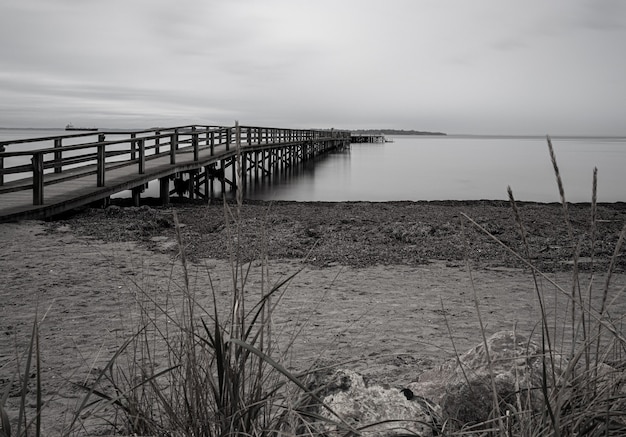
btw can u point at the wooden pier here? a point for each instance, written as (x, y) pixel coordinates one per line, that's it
(43, 177)
(358, 138)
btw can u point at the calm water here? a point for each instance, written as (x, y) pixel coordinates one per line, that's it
(460, 168)
(446, 168)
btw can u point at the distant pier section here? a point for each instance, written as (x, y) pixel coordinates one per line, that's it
(378, 136)
(361, 138)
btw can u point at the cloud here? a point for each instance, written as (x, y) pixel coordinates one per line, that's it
(448, 65)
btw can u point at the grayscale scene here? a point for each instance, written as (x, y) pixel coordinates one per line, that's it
(312, 218)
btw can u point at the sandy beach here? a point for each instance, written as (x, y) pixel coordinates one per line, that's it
(381, 287)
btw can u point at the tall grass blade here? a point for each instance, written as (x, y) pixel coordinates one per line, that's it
(101, 375)
(559, 183)
(22, 413)
(5, 423)
(527, 260)
(494, 399)
(293, 379)
(38, 377)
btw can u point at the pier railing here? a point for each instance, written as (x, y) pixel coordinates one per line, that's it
(33, 163)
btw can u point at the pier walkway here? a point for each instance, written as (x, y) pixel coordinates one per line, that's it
(43, 177)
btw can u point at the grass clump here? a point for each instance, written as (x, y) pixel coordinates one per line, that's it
(577, 385)
(198, 369)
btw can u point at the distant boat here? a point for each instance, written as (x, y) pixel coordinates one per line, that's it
(70, 126)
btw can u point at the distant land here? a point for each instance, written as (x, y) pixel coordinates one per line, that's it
(394, 132)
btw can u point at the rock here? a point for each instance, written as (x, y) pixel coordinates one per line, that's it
(464, 388)
(375, 410)
(113, 210)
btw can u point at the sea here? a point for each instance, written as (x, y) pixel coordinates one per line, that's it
(450, 167)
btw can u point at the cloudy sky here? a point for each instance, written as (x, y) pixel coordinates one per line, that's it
(457, 66)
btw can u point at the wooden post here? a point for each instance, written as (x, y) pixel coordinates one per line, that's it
(58, 156)
(233, 164)
(2, 149)
(37, 161)
(133, 147)
(192, 183)
(212, 142)
(244, 168)
(196, 147)
(157, 143)
(258, 163)
(173, 146)
(137, 195)
(101, 166)
(206, 181)
(164, 190)
(142, 155)
(223, 167)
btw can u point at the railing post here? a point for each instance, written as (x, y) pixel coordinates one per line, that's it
(133, 147)
(227, 139)
(212, 142)
(196, 149)
(58, 156)
(101, 165)
(37, 161)
(142, 155)
(173, 147)
(2, 149)
(157, 142)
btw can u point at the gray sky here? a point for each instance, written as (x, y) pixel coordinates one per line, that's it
(457, 66)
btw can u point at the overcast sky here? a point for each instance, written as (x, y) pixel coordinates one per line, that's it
(457, 66)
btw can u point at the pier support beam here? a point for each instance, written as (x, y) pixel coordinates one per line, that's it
(223, 164)
(164, 190)
(193, 183)
(137, 195)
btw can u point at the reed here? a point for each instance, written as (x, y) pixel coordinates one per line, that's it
(32, 366)
(200, 369)
(583, 390)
